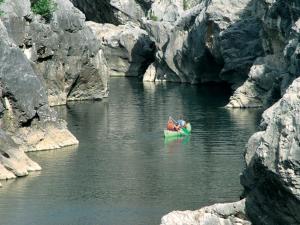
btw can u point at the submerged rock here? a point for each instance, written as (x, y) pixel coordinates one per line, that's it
(127, 48)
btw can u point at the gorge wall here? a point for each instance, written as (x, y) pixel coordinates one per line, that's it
(43, 62)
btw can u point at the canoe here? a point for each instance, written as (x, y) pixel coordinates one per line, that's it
(182, 132)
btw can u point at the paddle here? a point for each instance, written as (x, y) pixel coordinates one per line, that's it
(185, 131)
(173, 119)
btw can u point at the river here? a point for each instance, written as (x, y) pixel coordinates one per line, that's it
(124, 172)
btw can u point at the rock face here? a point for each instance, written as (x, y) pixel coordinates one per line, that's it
(64, 51)
(270, 76)
(43, 63)
(25, 112)
(271, 180)
(213, 41)
(127, 48)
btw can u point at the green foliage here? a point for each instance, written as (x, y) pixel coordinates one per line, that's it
(185, 4)
(1, 12)
(45, 8)
(153, 17)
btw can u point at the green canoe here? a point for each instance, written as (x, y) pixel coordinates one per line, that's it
(182, 132)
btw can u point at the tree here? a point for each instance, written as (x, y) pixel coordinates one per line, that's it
(45, 8)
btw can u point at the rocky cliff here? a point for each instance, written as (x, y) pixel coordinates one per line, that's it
(212, 41)
(270, 75)
(43, 62)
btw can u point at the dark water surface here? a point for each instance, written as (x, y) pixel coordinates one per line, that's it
(124, 172)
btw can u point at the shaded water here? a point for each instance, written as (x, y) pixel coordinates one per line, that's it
(124, 172)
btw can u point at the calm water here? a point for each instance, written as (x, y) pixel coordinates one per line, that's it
(123, 172)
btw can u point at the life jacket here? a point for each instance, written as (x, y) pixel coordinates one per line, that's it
(172, 126)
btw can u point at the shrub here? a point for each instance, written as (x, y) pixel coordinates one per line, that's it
(185, 5)
(45, 8)
(153, 17)
(1, 12)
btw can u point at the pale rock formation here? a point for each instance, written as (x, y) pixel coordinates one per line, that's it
(150, 74)
(218, 214)
(127, 48)
(213, 41)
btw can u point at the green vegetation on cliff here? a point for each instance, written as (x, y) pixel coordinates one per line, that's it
(45, 8)
(1, 12)
(185, 5)
(153, 17)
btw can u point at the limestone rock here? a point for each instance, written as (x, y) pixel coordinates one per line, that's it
(24, 100)
(270, 76)
(218, 214)
(264, 85)
(150, 74)
(213, 41)
(127, 48)
(63, 51)
(271, 180)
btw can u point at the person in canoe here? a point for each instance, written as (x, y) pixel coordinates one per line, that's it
(171, 125)
(181, 122)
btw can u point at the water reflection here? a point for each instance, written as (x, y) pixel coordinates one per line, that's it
(124, 171)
